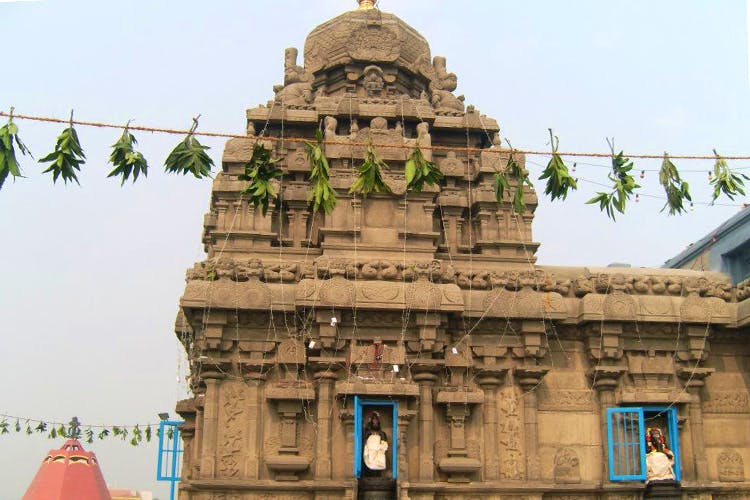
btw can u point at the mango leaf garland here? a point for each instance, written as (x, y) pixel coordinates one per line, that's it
(126, 159)
(67, 157)
(726, 180)
(189, 156)
(559, 180)
(419, 172)
(623, 187)
(260, 171)
(370, 177)
(502, 184)
(8, 162)
(675, 188)
(321, 192)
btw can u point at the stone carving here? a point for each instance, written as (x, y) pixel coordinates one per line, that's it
(297, 88)
(509, 436)
(567, 468)
(442, 87)
(618, 305)
(731, 467)
(372, 81)
(337, 291)
(557, 399)
(232, 417)
(423, 295)
(451, 166)
(726, 402)
(368, 44)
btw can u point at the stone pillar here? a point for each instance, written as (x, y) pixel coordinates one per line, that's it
(347, 417)
(426, 380)
(210, 424)
(404, 418)
(529, 378)
(694, 381)
(489, 380)
(254, 379)
(605, 380)
(323, 465)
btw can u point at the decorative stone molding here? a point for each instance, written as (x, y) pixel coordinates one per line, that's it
(730, 466)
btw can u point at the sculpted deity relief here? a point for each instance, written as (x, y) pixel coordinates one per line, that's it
(442, 87)
(297, 88)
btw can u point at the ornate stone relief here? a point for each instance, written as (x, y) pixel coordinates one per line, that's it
(726, 402)
(232, 417)
(567, 467)
(512, 462)
(731, 467)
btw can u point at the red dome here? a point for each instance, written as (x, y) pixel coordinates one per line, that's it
(70, 473)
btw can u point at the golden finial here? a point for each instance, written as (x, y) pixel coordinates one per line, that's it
(366, 4)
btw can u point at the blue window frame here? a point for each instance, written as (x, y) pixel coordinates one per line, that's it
(359, 405)
(626, 438)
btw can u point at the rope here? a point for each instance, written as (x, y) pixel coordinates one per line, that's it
(529, 152)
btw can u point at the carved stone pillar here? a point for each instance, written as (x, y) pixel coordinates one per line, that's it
(426, 380)
(694, 380)
(210, 423)
(605, 380)
(529, 378)
(347, 417)
(404, 418)
(489, 380)
(287, 462)
(326, 377)
(254, 378)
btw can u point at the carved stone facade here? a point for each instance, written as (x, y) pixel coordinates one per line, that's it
(502, 371)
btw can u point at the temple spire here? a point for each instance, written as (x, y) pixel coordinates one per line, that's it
(366, 4)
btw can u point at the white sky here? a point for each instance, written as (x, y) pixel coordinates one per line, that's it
(92, 274)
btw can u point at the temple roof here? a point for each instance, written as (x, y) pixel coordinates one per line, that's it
(68, 473)
(367, 35)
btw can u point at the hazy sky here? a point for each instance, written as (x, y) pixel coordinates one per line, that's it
(92, 274)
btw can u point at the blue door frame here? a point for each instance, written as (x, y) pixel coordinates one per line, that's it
(359, 405)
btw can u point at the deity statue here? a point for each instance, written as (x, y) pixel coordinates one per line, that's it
(442, 87)
(297, 88)
(375, 447)
(659, 459)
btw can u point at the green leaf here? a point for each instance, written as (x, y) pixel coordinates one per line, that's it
(675, 188)
(370, 177)
(623, 185)
(9, 140)
(89, 435)
(189, 156)
(322, 195)
(260, 171)
(726, 181)
(419, 172)
(66, 158)
(559, 180)
(126, 159)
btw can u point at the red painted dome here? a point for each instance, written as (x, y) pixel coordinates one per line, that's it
(69, 473)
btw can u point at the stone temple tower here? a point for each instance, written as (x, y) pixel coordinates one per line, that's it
(406, 345)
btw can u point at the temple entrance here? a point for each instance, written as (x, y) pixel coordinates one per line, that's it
(375, 448)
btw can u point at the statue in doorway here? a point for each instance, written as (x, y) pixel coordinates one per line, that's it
(659, 459)
(375, 447)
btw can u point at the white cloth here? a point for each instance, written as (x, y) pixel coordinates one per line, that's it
(374, 453)
(658, 467)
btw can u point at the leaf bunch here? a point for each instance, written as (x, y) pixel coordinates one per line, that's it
(190, 156)
(126, 159)
(321, 192)
(8, 162)
(559, 180)
(370, 177)
(260, 171)
(419, 172)
(726, 180)
(675, 188)
(66, 158)
(502, 184)
(623, 185)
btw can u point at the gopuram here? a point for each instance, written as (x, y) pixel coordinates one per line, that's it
(407, 346)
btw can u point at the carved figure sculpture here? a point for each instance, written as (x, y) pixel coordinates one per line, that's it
(297, 88)
(373, 81)
(375, 446)
(442, 87)
(659, 459)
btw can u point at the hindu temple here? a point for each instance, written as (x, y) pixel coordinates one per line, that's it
(408, 346)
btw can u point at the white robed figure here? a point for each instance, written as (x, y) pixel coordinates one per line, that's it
(659, 458)
(376, 445)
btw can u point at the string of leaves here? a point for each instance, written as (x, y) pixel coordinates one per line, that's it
(135, 435)
(67, 157)
(419, 172)
(260, 171)
(370, 176)
(675, 188)
(126, 159)
(559, 180)
(623, 185)
(725, 180)
(190, 156)
(502, 184)
(8, 162)
(322, 195)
